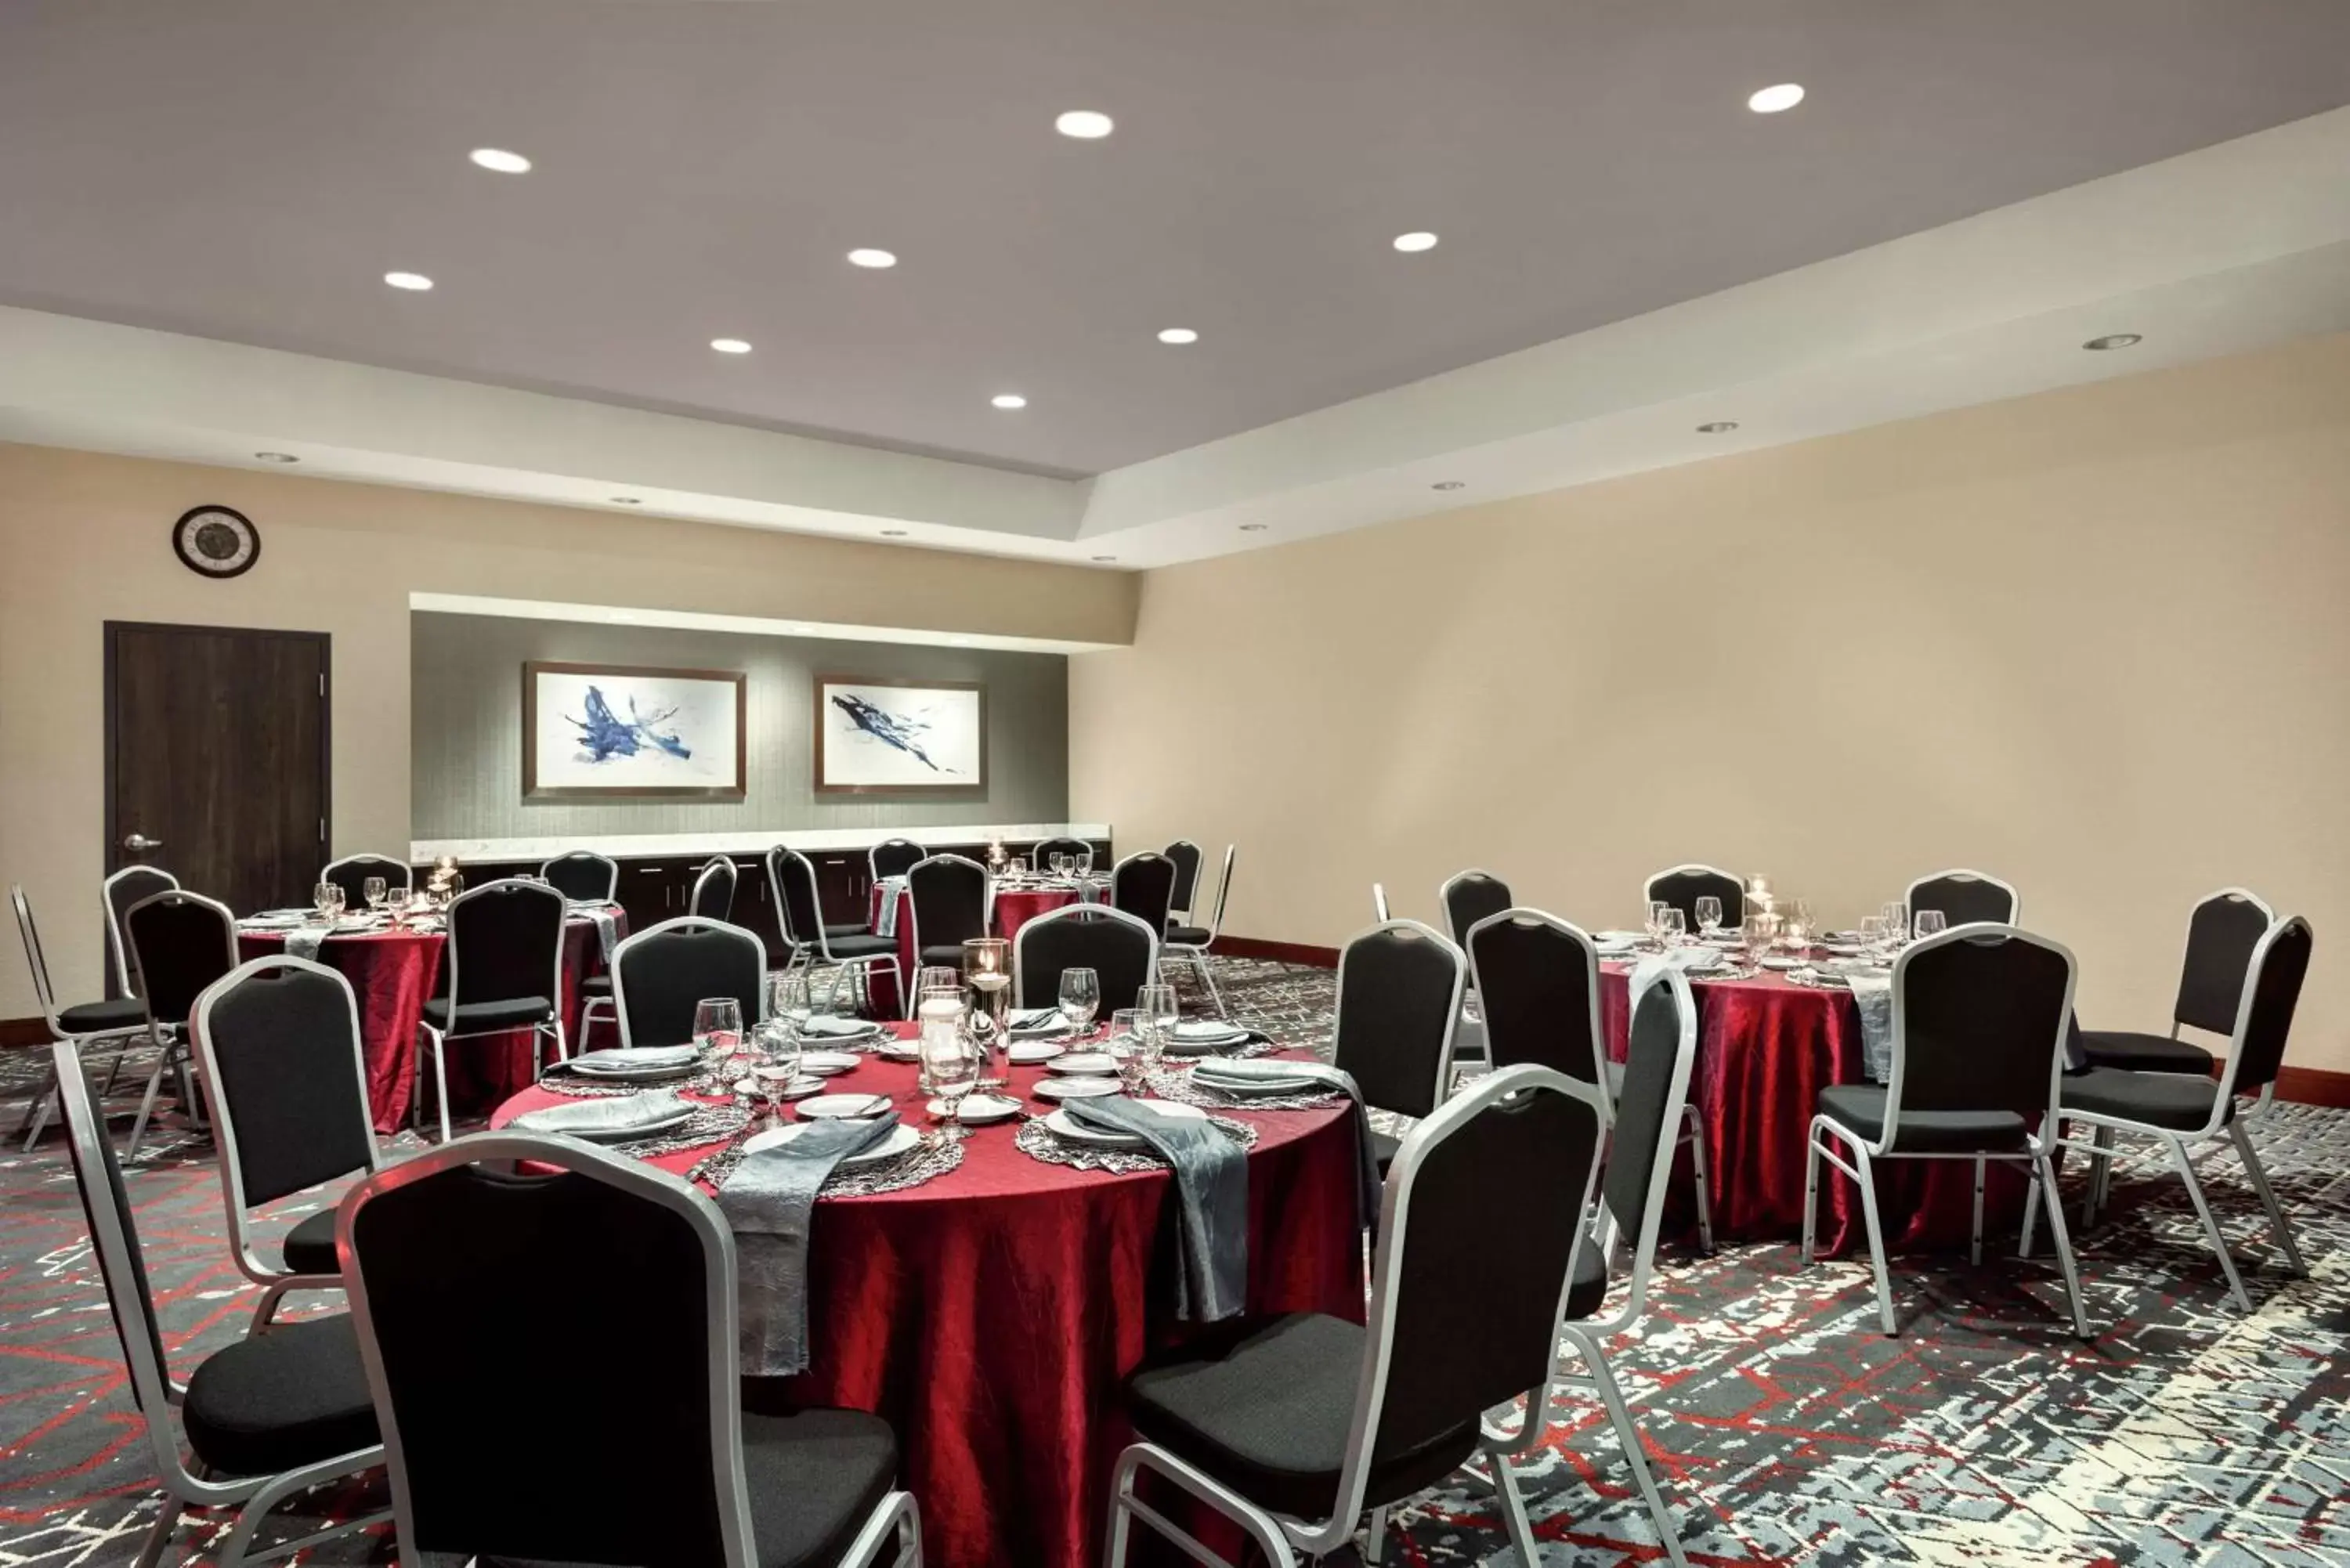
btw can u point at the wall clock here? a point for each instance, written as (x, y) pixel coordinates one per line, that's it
(216, 542)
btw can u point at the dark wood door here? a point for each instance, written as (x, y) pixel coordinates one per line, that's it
(217, 762)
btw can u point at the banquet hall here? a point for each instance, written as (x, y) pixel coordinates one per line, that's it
(1071, 782)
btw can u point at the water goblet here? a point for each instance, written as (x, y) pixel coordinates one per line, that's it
(1080, 999)
(1931, 923)
(1896, 920)
(1672, 928)
(718, 1028)
(1656, 909)
(375, 890)
(1709, 915)
(950, 1062)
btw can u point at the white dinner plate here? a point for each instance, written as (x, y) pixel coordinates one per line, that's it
(1085, 1062)
(979, 1110)
(1028, 1053)
(581, 1119)
(824, 1026)
(824, 1064)
(1262, 1088)
(902, 1140)
(900, 1051)
(1781, 961)
(1077, 1088)
(1066, 1126)
(802, 1087)
(836, 1108)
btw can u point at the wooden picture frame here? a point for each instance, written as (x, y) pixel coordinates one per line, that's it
(643, 756)
(899, 737)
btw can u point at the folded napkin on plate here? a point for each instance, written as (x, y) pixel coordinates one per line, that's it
(1212, 1190)
(637, 1056)
(825, 1026)
(1874, 992)
(619, 1113)
(1035, 1019)
(1689, 960)
(1234, 1078)
(770, 1201)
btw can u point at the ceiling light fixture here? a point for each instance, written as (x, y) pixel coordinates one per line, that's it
(1449, 485)
(276, 457)
(2114, 340)
(1105, 558)
(1085, 124)
(867, 256)
(1717, 427)
(730, 345)
(1252, 528)
(498, 160)
(1418, 240)
(1776, 99)
(1009, 400)
(415, 280)
(626, 501)
(893, 533)
(1179, 335)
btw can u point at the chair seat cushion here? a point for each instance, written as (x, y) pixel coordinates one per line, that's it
(280, 1400)
(481, 1017)
(848, 928)
(2144, 1052)
(102, 1017)
(1188, 936)
(1267, 1411)
(814, 1478)
(1861, 1107)
(859, 944)
(2171, 1100)
(310, 1245)
(596, 985)
(947, 953)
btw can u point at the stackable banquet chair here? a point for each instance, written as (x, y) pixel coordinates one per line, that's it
(285, 1076)
(127, 887)
(471, 1283)
(1979, 1021)
(506, 973)
(851, 949)
(266, 1419)
(84, 1024)
(1683, 886)
(1397, 1009)
(1122, 951)
(1537, 980)
(352, 871)
(1188, 857)
(179, 943)
(660, 972)
(1189, 944)
(713, 890)
(1078, 848)
(1144, 887)
(1966, 898)
(584, 876)
(894, 858)
(946, 897)
(2181, 1111)
(1468, 897)
(1293, 1427)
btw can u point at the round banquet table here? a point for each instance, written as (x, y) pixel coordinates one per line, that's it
(991, 1314)
(1767, 1046)
(392, 974)
(1010, 910)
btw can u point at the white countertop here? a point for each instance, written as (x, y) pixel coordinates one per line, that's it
(751, 842)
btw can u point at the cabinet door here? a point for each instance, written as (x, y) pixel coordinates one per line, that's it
(754, 910)
(649, 892)
(844, 884)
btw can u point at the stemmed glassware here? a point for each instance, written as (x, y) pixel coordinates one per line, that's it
(1657, 913)
(1127, 1025)
(327, 897)
(1931, 923)
(1709, 916)
(1080, 999)
(950, 1062)
(777, 1067)
(718, 1030)
(375, 890)
(1872, 933)
(1897, 922)
(1671, 927)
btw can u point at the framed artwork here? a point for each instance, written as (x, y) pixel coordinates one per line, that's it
(606, 732)
(900, 737)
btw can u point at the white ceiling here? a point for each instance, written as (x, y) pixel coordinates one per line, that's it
(201, 200)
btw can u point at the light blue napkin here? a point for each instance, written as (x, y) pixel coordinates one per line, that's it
(770, 1201)
(1212, 1190)
(1874, 992)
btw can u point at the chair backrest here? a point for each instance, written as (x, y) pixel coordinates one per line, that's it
(1660, 1050)
(1188, 857)
(1122, 951)
(1399, 1001)
(2280, 963)
(35, 960)
(797, 905)
(286, 1077)
(659, 973)
(1469, 1279)
(1144, 887)
(1966, 898)
(894, 858)
(2220, 936)
(1223, 894)
(584, 876)
(1467, 898)
(1979, 1023)
(464, 1277)
(1537, 981)
(181, 942)
(505, 941)
(1043, 854)
(714, 889)
(1683, 886)
(352, 871)
(131, 884)
(1379, 902)
(946, 897)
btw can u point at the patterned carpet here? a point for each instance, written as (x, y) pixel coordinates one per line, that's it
(1783, 1427)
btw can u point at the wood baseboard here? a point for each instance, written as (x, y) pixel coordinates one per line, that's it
(2313, 1087)
(24, 1031)
(1283, 952)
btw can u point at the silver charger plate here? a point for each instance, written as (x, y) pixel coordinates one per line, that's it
(1068, 1126)
(611, 1120)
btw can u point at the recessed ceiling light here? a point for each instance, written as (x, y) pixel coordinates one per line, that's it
(499, 161)
(1085, 124)
(1776, 99)
(1105, 558)
(893, 533)
(1418, 240)
(1179, 335)
(1449, 485)
(2114, 340)
(416, 281)
(1717, 427)
(867, 256)
(1009, 400)
(730, 345)
(276, 457)
(626, 501)
(1252, 527)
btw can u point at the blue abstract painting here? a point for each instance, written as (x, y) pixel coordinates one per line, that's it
(616, 728)
(886, 735)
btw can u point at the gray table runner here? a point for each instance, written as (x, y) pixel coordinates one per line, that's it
(1367, 1198)
(770, 1201)
(1211, 1191)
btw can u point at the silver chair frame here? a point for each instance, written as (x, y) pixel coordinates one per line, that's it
(36, 1114)
(1197, 955)
(2179, 1145)
(170, 1039)
(1199, 863)
(873, 868)
(895, 1519)
(909, 911)
(437, 1040)
(1109, 894)
(821, 944)
(1451, 1014)
(684, 924)
(1083, 850)
(1961, 873)
(2037, 1144)
(611, 870)
(1073, 912)
(1379, 902)
(119, 948)
(253, 1496)
(407, 872)
(1647, 888)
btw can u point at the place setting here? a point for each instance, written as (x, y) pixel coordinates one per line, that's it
(1085, 1130)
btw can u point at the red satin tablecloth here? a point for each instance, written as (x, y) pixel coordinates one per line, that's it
(991, 1315)
(1766, 1047)
(391, 974)
(1011, 910)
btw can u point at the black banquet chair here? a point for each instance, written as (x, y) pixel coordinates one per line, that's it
(1979, 1021)
(465, 1277)
(894, 858)
(1468, 897)
(1041, 857)
(1144, 887)
(946, 897)
(2222, 932)
(351, 873)
(1397, 1009)
(1189, 944)
(265, 1419)
(1120, 950)
(713, 890)
(131, 884)
(659, 973)
(583, 877)
(1966, 898)
(851, 949)
(506, 973)
(1189, 858)
(117, 1023)
(1294, 1427)
(285, 1075)
(1682, 885)
(181, 942)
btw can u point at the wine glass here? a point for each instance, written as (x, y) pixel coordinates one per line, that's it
(718, 1027)
(1709, 915)
(1931, 923)
(950, 1062)
(375, 890)
(1872, 932)
(776, 1066)
(326, 899)
(1896, 920)
(1672, 927)
(1126, 1027)
(1080, 998)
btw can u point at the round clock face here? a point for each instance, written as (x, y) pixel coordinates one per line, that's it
(216, 542)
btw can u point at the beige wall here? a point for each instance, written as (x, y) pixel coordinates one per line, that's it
(2095, 641)
(84, 539)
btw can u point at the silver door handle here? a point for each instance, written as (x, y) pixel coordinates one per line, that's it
(138, 844)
